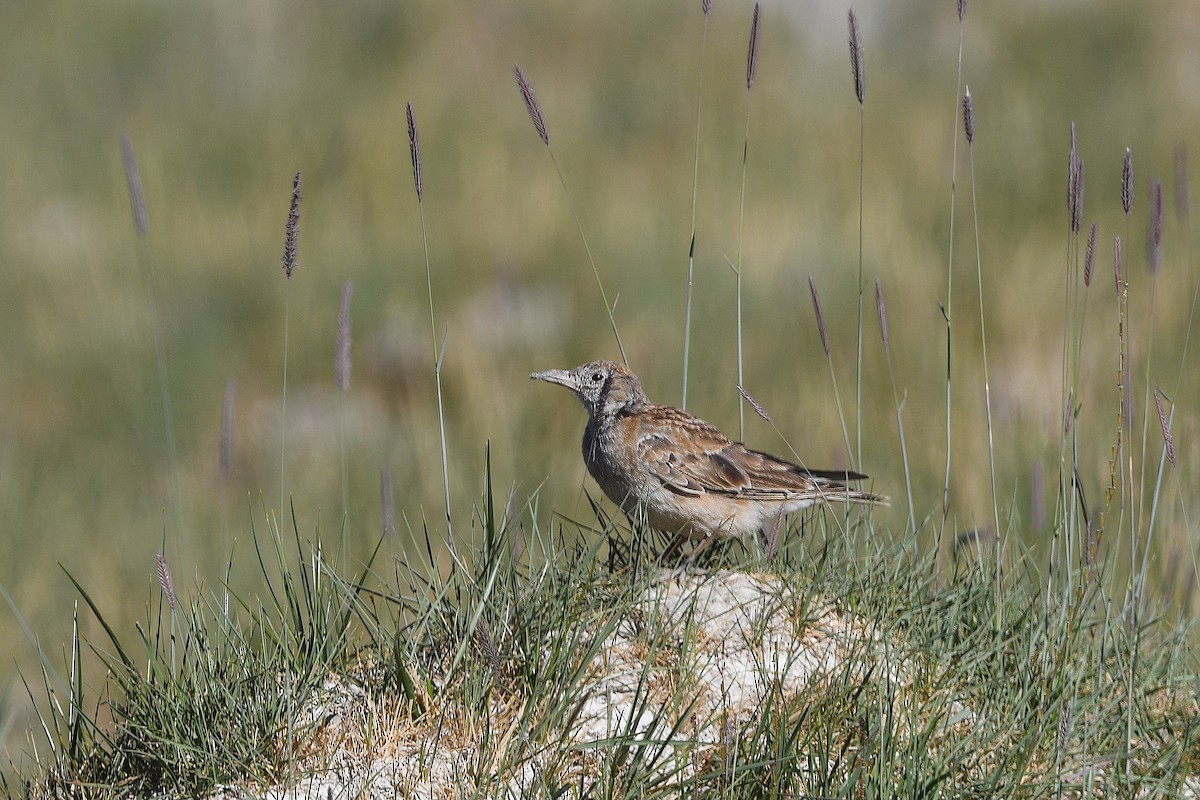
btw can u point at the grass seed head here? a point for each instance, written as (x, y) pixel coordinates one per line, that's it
(812, 287)
(414, 150)
(136, 199)
(752, 55)
(531, 104)
(1127, 182)
(856, 57)
(968, 104)
(1089, 255)
(291, 235)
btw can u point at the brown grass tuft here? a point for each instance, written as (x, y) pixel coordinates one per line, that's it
(1154, 239)
(856, 57)
(1089, 254)
(968, 104)
(531, 104)
(753, 403)
(414, 150)
(752, 55)
(291, 234)
(1075, 183)
(1168, 439)
(881, 311)
(1127, 182)
(164, 580)
(136, 199)
(812, 287)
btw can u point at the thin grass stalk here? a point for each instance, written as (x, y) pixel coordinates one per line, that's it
(290, 244)
(881, 312)
(539, 123)
(342, 368)
(751, 69)
(137, 202)
(969, 129)
(948, 306)
(1154, 259)
(837, 396)
(414, 148)
(856, 68)
(225, 459)
(687, 319)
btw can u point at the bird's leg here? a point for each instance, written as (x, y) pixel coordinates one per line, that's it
(670, 549)
(697, 550)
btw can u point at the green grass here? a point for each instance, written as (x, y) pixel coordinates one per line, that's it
(1070, 643)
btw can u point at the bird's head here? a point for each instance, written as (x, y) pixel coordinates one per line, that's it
(604, 387)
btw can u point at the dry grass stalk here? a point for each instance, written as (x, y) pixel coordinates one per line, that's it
(343, 339)
(881, 311)
(968, 104)
(1154, 240)
(136, 199)
(292, 231)
(812, 287)
(1168, 439)
(753, 403)
(856, 57)
(1127, 182)
(1089, 254)
(164, 580)
(752, 55)
(414, 150)
(531, 104)
(1117, 270)
(1182, 204)
(226, 459)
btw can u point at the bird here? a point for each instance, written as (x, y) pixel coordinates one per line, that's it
(681, 474)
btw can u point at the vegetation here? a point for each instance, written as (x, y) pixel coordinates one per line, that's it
(1017, 624)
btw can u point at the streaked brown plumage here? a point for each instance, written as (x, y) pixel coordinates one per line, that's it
(686, 476)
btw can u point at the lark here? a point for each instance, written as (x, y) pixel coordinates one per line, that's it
(685, 476)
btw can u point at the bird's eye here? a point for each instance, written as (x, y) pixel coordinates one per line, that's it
(597, 377)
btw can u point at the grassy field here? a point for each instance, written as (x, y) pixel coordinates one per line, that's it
(222, 106)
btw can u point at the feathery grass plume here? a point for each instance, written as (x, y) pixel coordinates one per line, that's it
(1154, 239)
(968, 104)
(752, 54)
(1168, 439)
(1181, 181)
(164, 580)
(962, 9)
(856, 57)
(773, 537)
(226, 457)
(136, 199)
(754, 403)
(531, 104)
(1127, 182)
(1075, 183)
(387, 507)
(881, 311)
(706, 6)
(816, 299)
(414, 150)
(291, 233)
(343, 339)
(1089, 254)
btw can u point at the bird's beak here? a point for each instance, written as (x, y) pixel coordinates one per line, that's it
(560, 376)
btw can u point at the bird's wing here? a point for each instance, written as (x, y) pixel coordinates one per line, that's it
(690, 457)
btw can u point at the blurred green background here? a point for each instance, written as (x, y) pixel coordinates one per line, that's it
(223, 102)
